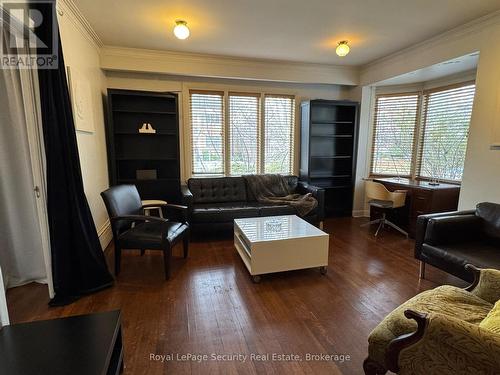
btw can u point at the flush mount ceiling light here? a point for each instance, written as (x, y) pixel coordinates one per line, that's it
(181, 31)
(343, 48)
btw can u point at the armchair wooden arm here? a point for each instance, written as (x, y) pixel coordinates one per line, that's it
(486, 284)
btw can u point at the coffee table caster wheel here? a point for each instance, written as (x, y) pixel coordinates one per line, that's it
(323, 270)
(256, 279)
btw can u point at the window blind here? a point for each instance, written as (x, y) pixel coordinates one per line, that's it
(207, 132)
(445, 129)
(279, 120)
(244, 118)
(393, 136)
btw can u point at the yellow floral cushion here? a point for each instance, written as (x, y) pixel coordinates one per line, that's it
(492, 320)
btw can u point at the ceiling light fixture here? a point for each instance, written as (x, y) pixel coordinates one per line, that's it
(181, 31)
(343, 48)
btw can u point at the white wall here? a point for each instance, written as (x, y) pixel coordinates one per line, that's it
(182, 85)
(82, 53)
(481, 181)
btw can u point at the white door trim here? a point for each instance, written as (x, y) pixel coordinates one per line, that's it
(4, 312)
(29, 83)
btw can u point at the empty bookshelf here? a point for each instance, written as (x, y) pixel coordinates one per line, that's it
(328, 151)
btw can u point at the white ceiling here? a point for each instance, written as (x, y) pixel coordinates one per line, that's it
(294, 30)
(461, 64)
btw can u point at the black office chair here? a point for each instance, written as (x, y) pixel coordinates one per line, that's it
(134, 230)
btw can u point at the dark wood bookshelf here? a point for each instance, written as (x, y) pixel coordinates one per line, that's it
(328, 151)
(130, 151)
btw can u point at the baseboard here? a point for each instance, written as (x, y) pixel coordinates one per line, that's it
(360, 213)
(105, 234)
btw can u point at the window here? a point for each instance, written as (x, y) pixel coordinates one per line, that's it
(446, 118)
(244, 113)
(427, 142)
(207, 132)
(278, 127)
(258, 136)
(395, 120)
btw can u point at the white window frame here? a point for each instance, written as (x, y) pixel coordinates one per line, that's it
(187, 141)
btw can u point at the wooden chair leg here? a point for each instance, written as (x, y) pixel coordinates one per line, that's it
(373, 368)
(422, 270)
(118, 256)
(167, 260)
(185, 245)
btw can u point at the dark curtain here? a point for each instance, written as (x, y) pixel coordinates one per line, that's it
(78, 263)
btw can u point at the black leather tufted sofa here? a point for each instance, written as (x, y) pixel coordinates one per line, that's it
(450, 240)
(216, 202)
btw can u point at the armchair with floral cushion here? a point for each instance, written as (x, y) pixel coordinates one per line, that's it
(443, 331)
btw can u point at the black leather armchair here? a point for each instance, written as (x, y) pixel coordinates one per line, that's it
(450, 240)
(133, 230)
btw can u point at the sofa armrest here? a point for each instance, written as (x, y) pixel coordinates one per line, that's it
(187, 197)
(452, 229)
(421, 228)
(316, 192)
(176, 212)
(486, 283)
(444, 345)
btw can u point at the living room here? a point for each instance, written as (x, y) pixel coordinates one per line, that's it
(250, 187)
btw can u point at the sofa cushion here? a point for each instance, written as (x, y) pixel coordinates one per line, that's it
(492, 320)
(447, 300)
(216, 190)
(223, 212)
(456, 256)
(276, 210)
(490, 213)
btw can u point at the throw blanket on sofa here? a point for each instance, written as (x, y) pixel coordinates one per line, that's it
(273, 189)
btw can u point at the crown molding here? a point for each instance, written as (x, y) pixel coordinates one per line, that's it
(67, 8)
(467, 30)
(216, 66)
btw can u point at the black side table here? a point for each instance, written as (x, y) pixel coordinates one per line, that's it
(85, 344)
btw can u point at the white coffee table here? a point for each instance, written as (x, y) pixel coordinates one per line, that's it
(280, 243)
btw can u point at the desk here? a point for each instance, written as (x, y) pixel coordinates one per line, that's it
(85, 344)
(421, 198)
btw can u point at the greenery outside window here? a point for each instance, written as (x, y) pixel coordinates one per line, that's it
(235, 133)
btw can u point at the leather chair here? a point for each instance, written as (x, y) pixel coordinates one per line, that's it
(378, 196)
(134, 230)
(450, 240)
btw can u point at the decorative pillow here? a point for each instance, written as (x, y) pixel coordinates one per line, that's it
(492, 320)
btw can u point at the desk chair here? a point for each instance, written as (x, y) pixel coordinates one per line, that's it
(378, 196)
(134, 230)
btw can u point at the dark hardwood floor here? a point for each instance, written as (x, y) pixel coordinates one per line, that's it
(211, 306)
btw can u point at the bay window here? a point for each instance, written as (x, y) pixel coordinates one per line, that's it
(422, 135)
